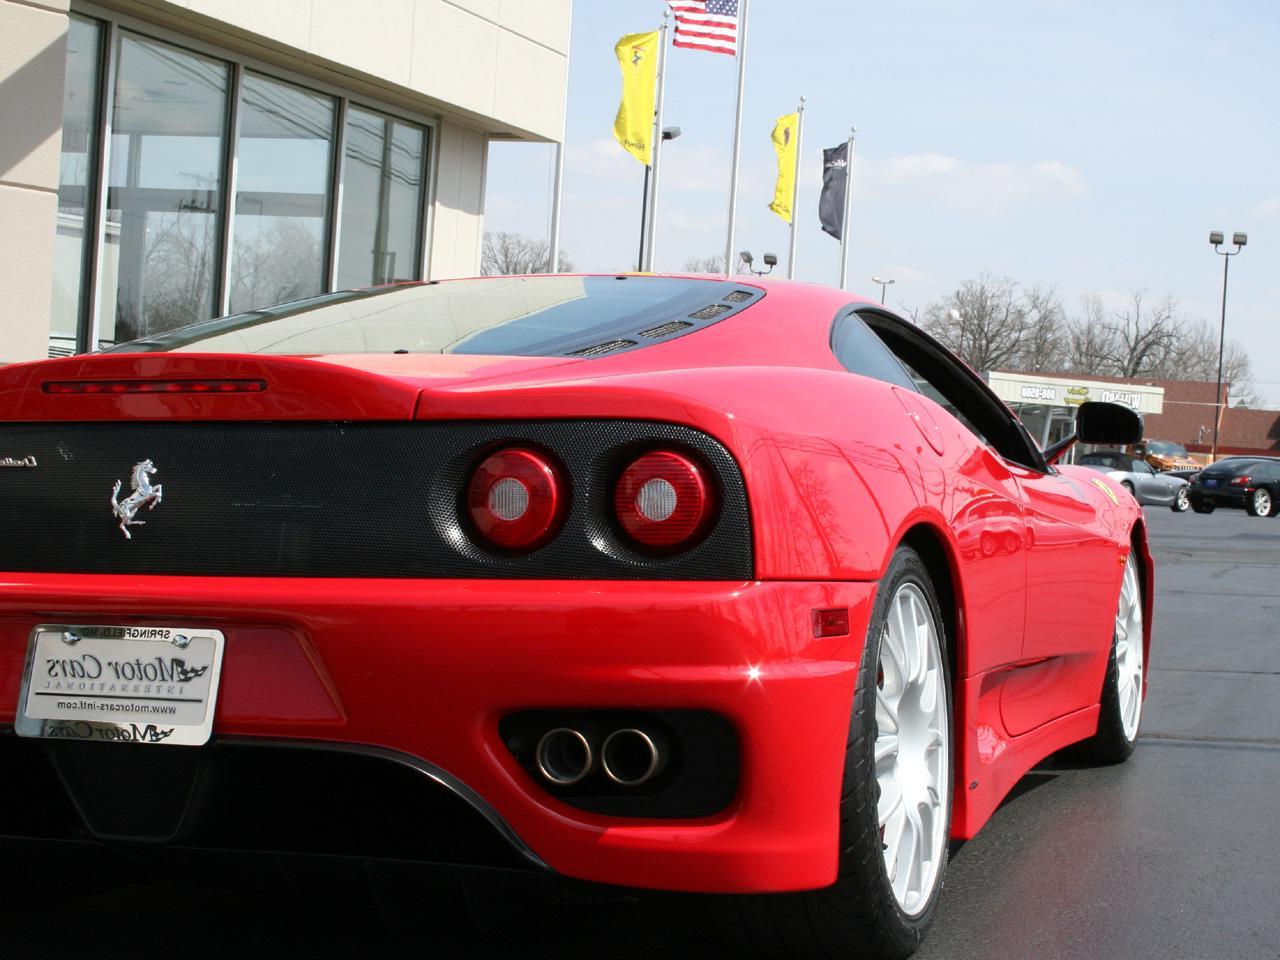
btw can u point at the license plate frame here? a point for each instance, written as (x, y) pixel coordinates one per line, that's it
(157, 684)
(1211, 482)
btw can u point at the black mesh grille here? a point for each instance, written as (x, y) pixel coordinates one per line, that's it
(336, 499)
(600, 349)
(708, 313)
(738, 296)
(665, 330)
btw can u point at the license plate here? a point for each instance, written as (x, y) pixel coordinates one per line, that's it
(1210, 482)
(154, 685)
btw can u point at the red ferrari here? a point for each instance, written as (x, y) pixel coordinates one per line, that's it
(695, 584)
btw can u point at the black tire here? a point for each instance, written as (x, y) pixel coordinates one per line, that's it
(858, 916)
(1181, 501)
(1110, 745)
(1199, 507)
(1260, 503)
(1129, 486)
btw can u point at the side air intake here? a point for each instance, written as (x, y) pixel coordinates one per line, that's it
(665, 329)
(710, 312)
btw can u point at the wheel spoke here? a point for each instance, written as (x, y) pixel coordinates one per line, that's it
(886, 746)
(890, 799)
(886, 712)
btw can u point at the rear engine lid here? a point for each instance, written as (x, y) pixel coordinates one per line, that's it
(199, 386)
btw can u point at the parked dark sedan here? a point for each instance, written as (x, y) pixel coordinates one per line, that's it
(1240, 482)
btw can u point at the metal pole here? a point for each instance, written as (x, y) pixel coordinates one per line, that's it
(848, 201)
(557, 189)
(644, 213)
(737, 139)
(795, 191)
(652, 225)
(1222, 339)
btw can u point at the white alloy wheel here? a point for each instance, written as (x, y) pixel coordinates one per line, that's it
(912, 759)
(1183, 500)
(1262, 502)
(1129, 651)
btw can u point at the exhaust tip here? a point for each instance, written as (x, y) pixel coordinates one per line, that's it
(630, 757)
(564, 756)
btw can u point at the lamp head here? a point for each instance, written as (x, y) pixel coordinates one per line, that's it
(747, 258)
(1215, 237)
(770, 259)
(670, 133)
(1239, 239)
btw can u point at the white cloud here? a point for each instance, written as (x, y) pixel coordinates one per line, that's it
(966, 185)
(1268, 208)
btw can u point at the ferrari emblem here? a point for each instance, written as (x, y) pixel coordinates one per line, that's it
(1101, 485)
(144, 495)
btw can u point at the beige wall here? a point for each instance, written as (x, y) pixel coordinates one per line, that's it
(33, 59)
(500, 65)
(457, 217)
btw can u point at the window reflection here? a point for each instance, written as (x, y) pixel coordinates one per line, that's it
(164, 190)
(75, 182)
(282, 194)
(381, 200)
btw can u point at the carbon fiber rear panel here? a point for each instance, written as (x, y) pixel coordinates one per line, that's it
(335, 499)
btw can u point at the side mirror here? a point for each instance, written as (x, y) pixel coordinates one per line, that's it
(1110, 423)
(1096, 422)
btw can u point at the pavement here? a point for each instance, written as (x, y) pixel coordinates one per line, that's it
(1171, 855)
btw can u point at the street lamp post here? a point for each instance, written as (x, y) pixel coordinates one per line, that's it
(1216, 238)
(648, 205)
(884, 284)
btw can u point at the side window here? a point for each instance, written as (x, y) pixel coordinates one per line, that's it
(860, 351)
(947, 381)
(1140, 466)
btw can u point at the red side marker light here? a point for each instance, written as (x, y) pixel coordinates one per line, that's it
(833, 622)
(97, 387)
(516, 499)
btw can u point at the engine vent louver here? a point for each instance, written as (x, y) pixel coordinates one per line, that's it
(600, 349)
(738, 296)
(665, 329)
(710, 312)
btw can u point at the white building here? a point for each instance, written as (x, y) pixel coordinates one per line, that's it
(167, 161)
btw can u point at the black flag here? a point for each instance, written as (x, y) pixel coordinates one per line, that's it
(835, 165)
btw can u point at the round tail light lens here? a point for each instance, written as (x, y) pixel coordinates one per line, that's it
(664, 500)
(516, 498)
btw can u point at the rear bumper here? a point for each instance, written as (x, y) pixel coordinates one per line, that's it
(1219, 497)
(427, 669)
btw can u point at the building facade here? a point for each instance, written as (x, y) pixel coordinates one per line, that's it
(168, 162)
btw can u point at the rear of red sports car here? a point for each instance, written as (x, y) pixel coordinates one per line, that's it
(480, 573)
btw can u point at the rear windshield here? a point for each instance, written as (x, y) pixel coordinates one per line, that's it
(1231, 467)
(543, 316)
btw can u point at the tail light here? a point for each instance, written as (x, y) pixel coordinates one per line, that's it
(664, 500)
(516, 498)
(1241, 481)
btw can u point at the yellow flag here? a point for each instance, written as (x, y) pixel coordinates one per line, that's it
(638, 59)
(784, 142)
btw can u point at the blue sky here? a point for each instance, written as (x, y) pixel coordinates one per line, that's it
(1084, 144)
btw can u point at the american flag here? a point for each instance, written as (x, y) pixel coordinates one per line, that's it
(706, 25)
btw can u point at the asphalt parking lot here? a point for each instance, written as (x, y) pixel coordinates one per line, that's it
(1172, 855)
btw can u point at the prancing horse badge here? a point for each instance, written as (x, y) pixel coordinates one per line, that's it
(144, 495)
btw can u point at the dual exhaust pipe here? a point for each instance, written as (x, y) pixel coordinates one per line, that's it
(628, 756)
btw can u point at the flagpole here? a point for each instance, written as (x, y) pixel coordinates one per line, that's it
(557, 189)
(737, 138)
(651, 226)
(795, 191)
(848, 202)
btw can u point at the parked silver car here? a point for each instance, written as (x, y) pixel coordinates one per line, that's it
(1136, 476)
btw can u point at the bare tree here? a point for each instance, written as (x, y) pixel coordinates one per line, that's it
(1144, 336)
(510, 254)
(1089, 340)
(993, 323)
(712, 264)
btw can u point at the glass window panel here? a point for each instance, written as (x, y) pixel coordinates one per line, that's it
(282, 194)
(381, 200)
(75, 182)
(164, 190)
